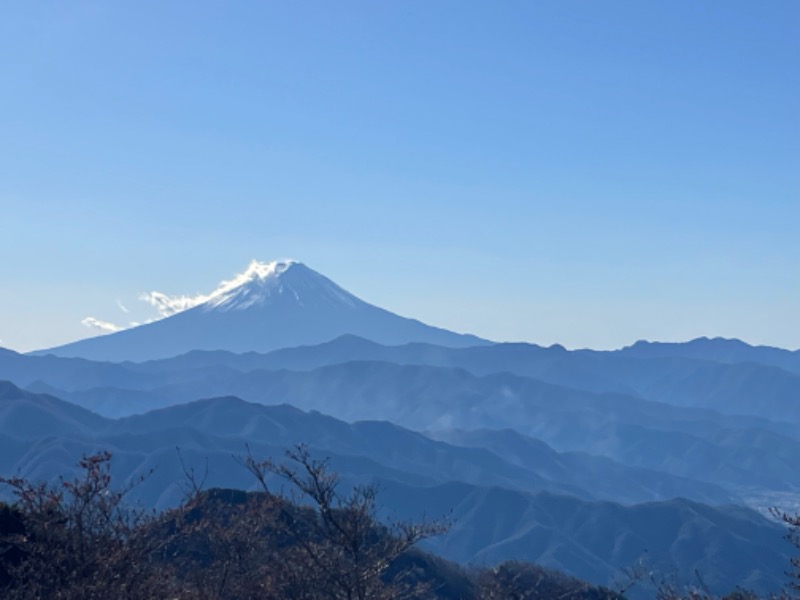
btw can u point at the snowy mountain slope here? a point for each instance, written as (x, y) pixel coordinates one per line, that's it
(269, 306)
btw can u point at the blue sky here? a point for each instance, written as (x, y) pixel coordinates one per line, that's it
(580, 172)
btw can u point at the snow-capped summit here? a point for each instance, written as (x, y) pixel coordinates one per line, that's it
(277, 281)
(270, 305)
(254, 286)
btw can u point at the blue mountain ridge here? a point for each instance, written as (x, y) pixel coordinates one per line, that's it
(501, 510)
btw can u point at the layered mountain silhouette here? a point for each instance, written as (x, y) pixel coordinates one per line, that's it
(394, 447)
(427, 387)
(530, 503)
(585, 461)
(271, 305)
(756, 389)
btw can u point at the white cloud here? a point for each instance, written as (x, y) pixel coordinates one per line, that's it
(170, 305)
(104, 326)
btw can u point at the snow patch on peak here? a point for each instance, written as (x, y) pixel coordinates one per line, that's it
(256, 271)
(257, 274)
(253, 286)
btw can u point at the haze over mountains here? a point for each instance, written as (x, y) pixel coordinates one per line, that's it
(555, 507)
(585, 461)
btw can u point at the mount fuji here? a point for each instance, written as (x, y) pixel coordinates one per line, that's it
(271, 305)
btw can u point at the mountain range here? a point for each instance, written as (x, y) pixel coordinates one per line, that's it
(535, 504)
(585, 461)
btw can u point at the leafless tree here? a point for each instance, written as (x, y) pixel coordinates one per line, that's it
(792, 523)
(78, 540)
(345, 550)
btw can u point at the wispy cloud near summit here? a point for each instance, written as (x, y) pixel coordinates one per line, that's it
(103, 326)
(167, 305)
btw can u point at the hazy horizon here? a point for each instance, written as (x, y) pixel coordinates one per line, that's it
(155, 305)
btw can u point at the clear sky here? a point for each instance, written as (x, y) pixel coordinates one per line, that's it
(582, 172)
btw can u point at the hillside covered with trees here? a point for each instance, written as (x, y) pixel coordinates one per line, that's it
(79, 539)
